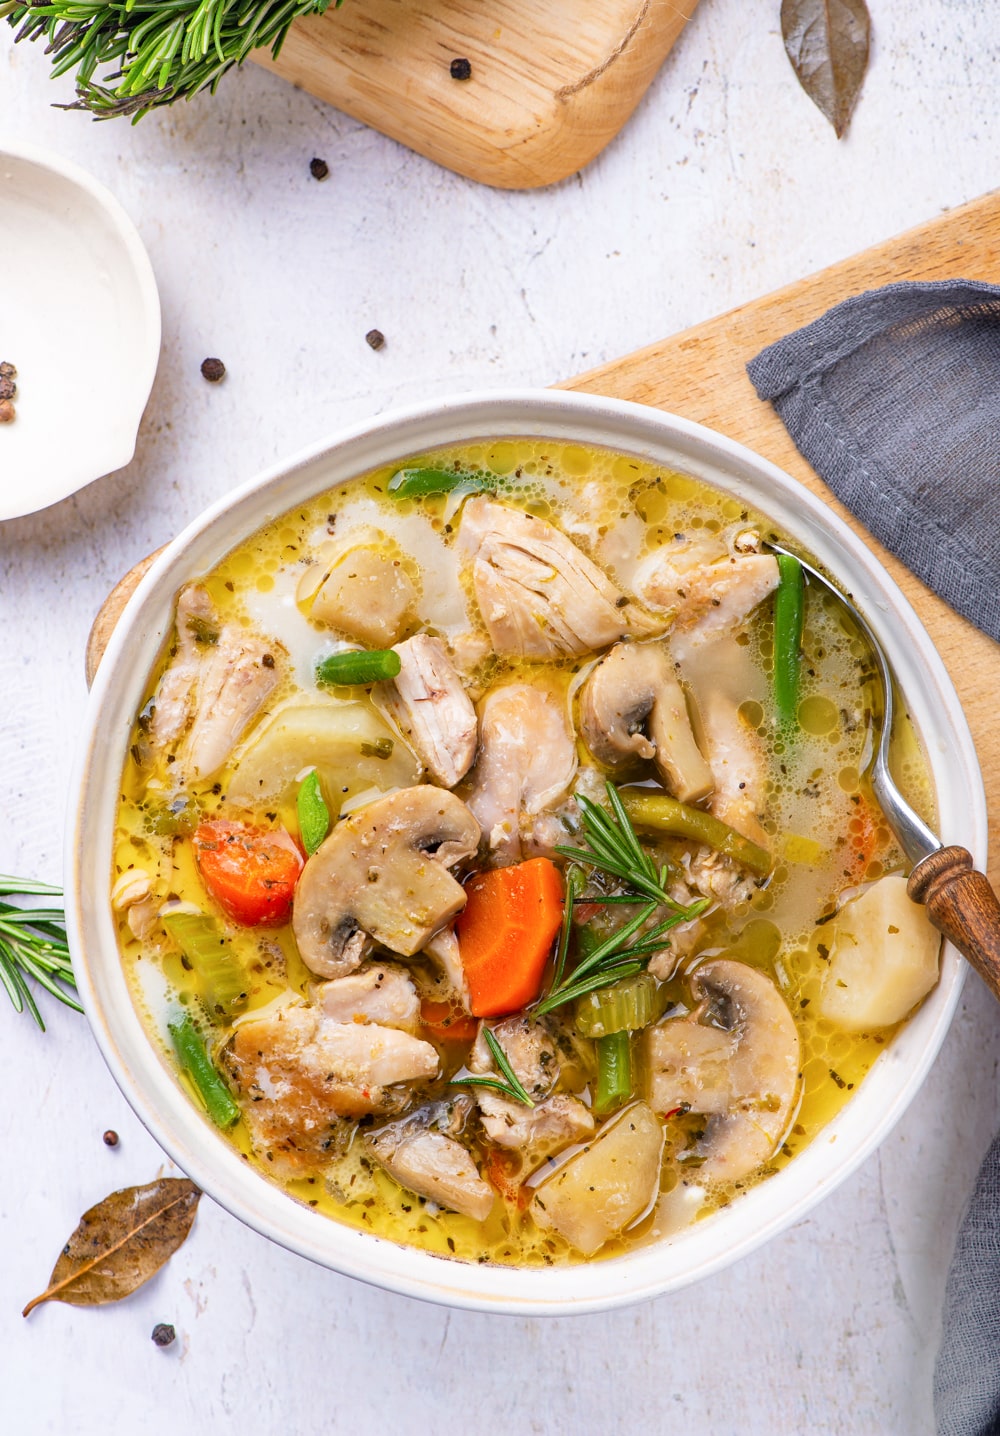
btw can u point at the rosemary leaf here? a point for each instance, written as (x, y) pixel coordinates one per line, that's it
(33, 944)
(510, 1085)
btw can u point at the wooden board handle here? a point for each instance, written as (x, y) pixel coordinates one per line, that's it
(961, 903)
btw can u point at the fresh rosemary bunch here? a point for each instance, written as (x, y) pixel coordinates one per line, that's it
(33, 944)
(611, 846)
(159, 51)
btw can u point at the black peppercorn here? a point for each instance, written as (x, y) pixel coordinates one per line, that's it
(319, 169)
(375, 339)
(111, 1138)
(8, 389)
(213, 370)
(7, 370)
(163, 1334)
(461, 70)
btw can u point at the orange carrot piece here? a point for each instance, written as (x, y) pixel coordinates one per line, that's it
(505, 934)
(250, 872)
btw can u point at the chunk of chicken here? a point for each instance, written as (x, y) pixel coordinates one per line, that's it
(659, 577)
(716, 598)
(527, 761)
(299, 1072)
(430, 707)
(443, 948)
(218, 681)
(736, 758)
(555, 1120)
(383, 994)
(434, 1166)
(539, 595)
(133, 894)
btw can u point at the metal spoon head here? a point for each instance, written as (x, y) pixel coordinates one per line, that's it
(914, 836)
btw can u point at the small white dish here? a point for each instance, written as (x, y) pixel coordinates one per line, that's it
(80, 321)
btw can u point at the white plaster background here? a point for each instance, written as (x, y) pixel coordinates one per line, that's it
(726, 184)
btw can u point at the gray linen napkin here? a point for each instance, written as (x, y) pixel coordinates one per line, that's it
(894, 398)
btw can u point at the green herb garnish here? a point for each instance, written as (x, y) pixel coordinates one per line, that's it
(423, 483)
(511, 1087)
(33, 944)
(153, 51)
(313, 814)
(612, 846)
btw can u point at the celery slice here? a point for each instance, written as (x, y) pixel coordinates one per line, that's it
(224, 981)
(626, 1006)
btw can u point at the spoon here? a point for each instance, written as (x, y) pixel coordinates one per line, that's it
(960, 901)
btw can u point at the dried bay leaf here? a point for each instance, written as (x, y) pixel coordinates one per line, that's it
(827, 42)
(121, 1243)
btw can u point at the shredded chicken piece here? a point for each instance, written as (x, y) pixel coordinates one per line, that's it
(427, 702)
(539, 595)
(435, 1166)
(555, 1120)
(383, 994)
(218, 681)
(299, 1072)
(715, 599)
(133, 895)
(527, 761)
(738, 766)
(443, 948)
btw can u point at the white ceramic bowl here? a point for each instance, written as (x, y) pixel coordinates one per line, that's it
(80, 319)
(142, 1073)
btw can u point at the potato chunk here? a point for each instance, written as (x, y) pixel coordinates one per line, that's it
(597, 1193)
(883, 959)
(364, 592)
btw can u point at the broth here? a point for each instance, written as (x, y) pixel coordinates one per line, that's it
(815, 816)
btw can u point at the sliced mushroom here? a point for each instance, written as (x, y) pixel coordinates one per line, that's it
(736, 1060)
(383, 874)
(632, 707)
(430, 707)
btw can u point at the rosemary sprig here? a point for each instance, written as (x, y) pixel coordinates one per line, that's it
(33, 944)
(617, 957)
(510, 1087)
(612, 846)
(158, 51)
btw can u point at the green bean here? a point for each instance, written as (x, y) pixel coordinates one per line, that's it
(314, 815)
(789, 603)
(422, 483)
(659, 813)
(194, 1059)
(614, 1072)
(371, 666)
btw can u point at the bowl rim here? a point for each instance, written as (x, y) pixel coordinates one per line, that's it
(116, 449)
(141, 1072)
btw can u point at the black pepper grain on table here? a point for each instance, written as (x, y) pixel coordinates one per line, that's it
(163, 1334)
(375, 339)
(213, 370)
(460, 69)
(319, 169)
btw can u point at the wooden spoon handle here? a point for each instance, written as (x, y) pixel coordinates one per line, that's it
(961, 903)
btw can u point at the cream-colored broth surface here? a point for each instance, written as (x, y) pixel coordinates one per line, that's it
(824, 833)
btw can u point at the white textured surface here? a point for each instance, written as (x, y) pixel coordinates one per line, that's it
(725, 185)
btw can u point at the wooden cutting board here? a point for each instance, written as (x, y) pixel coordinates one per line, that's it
(701, 375)
(552, 80)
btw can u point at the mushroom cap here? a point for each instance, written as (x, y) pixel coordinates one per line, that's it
(632, 707)
(382, 875)
(740, 1067)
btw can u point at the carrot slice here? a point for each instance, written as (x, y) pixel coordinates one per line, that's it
(250, 872)
(505, 934)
